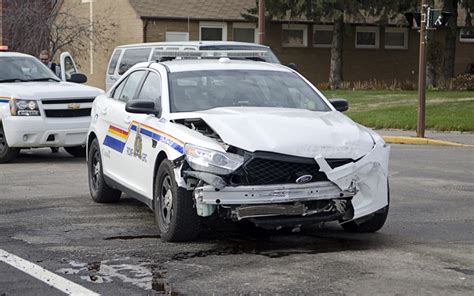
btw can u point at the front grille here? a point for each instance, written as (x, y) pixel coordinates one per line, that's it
(276, 169)
(69, 107)
(68, 113)
(67, 101)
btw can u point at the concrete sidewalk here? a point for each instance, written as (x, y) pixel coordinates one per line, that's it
(454, 137)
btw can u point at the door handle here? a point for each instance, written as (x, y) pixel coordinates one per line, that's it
(104, 111)
(127, 120)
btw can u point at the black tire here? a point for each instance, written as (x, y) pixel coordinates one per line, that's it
(372, 224)
(7, 153)
(76, 151)
(100, 191)
(173, 206)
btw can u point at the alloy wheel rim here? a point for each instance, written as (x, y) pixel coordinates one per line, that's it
(95, 170)
(166, 201)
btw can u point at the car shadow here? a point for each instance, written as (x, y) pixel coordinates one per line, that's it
(40, 155)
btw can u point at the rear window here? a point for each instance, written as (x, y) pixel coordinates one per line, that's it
(132, 57)
(113, 61)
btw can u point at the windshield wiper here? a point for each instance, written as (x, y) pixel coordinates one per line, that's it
(13, 80)
(44, 79)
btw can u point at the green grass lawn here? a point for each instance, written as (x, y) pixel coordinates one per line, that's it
(445, 110)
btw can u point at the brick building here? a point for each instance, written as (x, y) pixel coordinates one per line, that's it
(370, 51)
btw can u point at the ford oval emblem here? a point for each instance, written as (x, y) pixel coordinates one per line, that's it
(304, 179)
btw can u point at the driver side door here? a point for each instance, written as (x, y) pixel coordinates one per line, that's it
(68, 66)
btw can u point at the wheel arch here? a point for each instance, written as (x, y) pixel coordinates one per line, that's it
(159, 159)
(90, 138)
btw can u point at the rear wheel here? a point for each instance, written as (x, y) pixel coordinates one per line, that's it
(372, 224)
(7, 153)
(174, 207)
(100, 191)
(76, 151)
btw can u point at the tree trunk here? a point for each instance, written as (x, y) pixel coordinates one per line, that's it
(335, 71)
(450, 39)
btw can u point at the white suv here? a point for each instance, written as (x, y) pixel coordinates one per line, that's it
(236, 140)
(37, 109)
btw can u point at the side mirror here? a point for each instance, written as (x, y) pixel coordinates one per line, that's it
(292, 66)
(77, 78)
(142, 107)
(341, 105)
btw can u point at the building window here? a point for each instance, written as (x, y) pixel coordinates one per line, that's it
(244, 32)
(367, 37)
(396, 38)
(177, 36)
(322, 36)
(294, 35)
(466, 35)
(213, 31)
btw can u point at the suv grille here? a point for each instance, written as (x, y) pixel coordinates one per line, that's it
(62, 108)
(68, 113)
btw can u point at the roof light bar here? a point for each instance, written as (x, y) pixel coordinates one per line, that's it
(3, 48)
(203, 54)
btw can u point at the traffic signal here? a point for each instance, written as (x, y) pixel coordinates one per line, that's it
(438, 18)
(414, 19)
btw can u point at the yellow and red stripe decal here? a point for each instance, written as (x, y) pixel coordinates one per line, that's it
(118, 132)
(117, 137)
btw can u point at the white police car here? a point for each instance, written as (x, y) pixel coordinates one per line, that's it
(37, 109)
(234, 140)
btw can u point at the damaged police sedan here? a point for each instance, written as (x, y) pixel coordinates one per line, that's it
(234, 140)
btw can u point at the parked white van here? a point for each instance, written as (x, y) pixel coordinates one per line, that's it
(125, 56)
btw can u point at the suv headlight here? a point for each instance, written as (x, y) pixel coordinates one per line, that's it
(211, 161)
(24, 108)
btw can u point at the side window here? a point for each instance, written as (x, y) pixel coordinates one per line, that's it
(131, 86)
(113, 62)
(118, 89)
(132, 57)
(151, 89)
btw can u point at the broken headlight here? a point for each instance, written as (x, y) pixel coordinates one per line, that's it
(212, 161)
(24, 108)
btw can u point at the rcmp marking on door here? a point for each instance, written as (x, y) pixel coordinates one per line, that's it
(116, 139)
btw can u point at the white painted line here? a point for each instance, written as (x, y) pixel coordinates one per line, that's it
(43, 275)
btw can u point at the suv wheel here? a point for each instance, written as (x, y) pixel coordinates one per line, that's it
(100, 191)
(174, 207)
(76, 151)
(7, 153)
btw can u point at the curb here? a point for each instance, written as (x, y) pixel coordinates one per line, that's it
(422, 141)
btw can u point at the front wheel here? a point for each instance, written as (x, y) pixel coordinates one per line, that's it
(7, 153)
(174, 207)
(100, 191)
(76, 151)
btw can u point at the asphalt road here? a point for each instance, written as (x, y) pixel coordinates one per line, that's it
(427, 246)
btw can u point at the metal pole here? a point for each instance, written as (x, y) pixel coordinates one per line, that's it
(91, 37)
(261, 21)
(420, 126)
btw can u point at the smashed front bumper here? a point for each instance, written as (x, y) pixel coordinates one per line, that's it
(269, 194)
(360, 187)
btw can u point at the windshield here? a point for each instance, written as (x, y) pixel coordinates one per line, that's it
(19, 69)
(270, 57)
(203, 90)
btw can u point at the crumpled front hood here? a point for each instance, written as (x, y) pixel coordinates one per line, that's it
(49, 90)
(295, 132)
